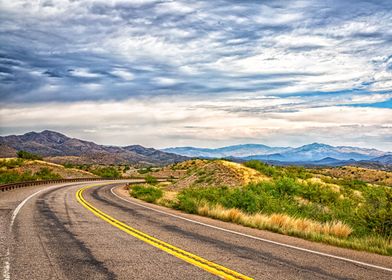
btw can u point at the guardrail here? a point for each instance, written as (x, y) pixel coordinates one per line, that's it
(8, 187)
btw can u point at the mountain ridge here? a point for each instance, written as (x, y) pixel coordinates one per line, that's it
(313, 154)
(60, 148)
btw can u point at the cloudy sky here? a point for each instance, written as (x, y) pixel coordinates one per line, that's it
(203, 73)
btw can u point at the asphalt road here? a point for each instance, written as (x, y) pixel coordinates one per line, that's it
(46, 233)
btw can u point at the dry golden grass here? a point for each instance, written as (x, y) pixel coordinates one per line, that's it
(168, 199)
(319, 181)
(358, 173)
(248, 175)
(34, 166)
(277, 222)
(217, 173)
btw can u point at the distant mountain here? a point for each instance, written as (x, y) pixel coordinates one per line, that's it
(385, 159)
(243, 150)
(311, 154)
(382, 163)
(329, 161)
(316, 152)
(60, 148)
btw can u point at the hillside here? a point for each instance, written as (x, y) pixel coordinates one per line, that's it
(359, 173)
(59, 148)
(18, 170)
(347, 206)
(214, 172)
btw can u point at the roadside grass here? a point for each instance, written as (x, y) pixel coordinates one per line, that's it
(334, 233)
(147, 193)
(151, 180)
(11, 163)
(13, 176)
(106, 172)
(358, 219)
(345, 213)
(277, 222)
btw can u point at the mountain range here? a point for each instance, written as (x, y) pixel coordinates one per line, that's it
(60, 148)
(311, 154)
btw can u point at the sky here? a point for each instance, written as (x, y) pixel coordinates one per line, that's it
(199, 73)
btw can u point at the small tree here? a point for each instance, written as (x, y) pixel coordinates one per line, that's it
(27, 155)
(151, 180)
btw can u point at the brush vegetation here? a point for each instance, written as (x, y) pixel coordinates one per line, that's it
(146, 192)
(109, 172)
(13, 170)
(27, 155)
(292, 200)
(11, 176)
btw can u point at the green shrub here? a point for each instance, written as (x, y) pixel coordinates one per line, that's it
(11, 176)
(27, 155)
(151, 180)
(262, 167)
(14, 177)
(144, 170)
(107, 172)
(11, 163)
(377, 211)
(146, 193)
(187, 204)
(68, 165)
(277, 171)
(46, 174)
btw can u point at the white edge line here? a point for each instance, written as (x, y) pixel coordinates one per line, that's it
(254, 237)
(7, 264)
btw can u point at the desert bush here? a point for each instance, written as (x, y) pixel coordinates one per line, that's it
(11, 163)
(144, 170)
(46, 174)
(262, 167)
(376, 212)
(146, 193)
(12, 176)
(68, 165)
(27, 155)
(151, 180)
(106, 172)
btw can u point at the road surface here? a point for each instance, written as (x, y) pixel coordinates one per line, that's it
(90, 231)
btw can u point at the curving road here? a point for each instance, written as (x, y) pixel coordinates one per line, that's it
(46, 232)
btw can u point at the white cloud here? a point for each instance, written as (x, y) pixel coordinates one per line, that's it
(123, 74)
(83, 73)
(165, 81)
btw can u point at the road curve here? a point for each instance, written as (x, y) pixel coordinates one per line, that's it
(51, 235)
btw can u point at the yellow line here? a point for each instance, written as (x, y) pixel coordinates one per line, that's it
(209, 266)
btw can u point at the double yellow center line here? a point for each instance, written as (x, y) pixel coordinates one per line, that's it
(209, 266)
